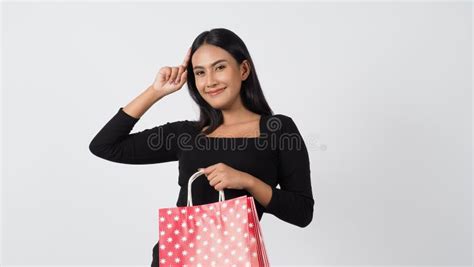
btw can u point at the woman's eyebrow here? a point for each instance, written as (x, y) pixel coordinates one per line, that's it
(218, 61)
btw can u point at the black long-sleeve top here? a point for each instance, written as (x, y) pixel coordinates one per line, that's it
(277, 156)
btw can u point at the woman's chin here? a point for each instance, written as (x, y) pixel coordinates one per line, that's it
(217, 104)
(220, 102)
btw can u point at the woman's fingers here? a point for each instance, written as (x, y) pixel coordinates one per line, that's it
(183, 77)
(214, 181)
(174, 72)
(171, 79)
(179, 73)
(187, 58)
(178, 76)
(163, 74)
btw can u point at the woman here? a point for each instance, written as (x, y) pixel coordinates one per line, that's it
(242, 147)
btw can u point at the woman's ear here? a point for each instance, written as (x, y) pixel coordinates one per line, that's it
(245, 69)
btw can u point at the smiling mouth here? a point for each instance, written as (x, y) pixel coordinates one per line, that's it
(215, 92)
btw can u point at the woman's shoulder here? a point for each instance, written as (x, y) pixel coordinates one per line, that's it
(280, 116)
(280, 123)
(185, 126)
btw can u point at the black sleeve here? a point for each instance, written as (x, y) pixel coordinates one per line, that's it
(115, 143)
(293, 202)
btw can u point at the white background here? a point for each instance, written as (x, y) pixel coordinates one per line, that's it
(381, 92)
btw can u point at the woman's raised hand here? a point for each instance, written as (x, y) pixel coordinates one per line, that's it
(171, 79)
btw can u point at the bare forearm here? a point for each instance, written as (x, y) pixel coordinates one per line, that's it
(261, 191)
(140, 104)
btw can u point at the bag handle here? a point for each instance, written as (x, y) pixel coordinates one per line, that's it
(191, 180)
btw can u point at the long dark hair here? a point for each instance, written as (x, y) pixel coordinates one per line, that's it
(250, 92)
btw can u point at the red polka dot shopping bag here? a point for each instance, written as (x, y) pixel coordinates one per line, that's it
(224, 233)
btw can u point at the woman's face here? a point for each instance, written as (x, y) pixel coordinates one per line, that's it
(218, 76)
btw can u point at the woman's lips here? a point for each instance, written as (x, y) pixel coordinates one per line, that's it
(216, 92)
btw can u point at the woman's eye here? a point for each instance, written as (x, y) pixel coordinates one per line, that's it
(199, 72)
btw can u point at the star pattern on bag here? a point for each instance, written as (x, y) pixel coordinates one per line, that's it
(216, 234)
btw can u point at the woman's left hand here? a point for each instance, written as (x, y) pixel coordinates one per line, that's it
(222, 176)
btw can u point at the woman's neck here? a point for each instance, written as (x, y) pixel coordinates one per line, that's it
(238, 116)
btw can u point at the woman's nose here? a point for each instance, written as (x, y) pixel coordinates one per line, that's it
(210, 80)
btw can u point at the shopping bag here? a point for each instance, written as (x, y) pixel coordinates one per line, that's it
(223, 233)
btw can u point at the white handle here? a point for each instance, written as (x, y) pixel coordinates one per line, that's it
(191, 180)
